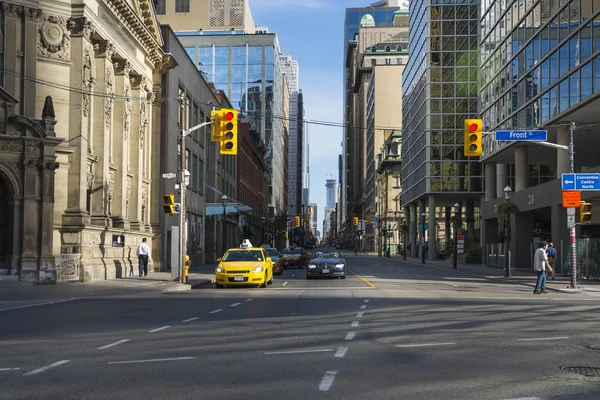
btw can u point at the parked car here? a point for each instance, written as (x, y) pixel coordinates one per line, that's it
(277, 260)
(296, 257)
(326, 263)
(244, 266)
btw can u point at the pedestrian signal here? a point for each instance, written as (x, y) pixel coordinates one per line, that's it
(169, 203)
(585, 212)
(355, 221)
(297, 221)
(472, 139)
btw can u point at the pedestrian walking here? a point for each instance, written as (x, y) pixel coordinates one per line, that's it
(143, 252)
(540, 263)
(551, 253)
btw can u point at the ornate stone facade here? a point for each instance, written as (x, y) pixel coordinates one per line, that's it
(90, 65)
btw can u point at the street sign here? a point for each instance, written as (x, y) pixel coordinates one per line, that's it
(571, 221)
(583, 181)
(170, 175)
(510, 136)
(571, 198)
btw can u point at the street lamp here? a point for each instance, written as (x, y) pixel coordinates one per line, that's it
(423, 238)
(456, 214)
(404, 231)
(389, 231)
(507, 273)
(224, 202)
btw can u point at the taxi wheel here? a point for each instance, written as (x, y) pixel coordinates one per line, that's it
(219, 286)
(270, 282)
(264, 284)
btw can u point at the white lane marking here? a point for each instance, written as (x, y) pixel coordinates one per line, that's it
(388, 267)
(162, 328)
(39, 304)
(451, 284)
(325, 288)
(360, 314)
(363, 307)
(113, 344)
(249, 299)
(526, 398)
(154, 360)
(425, 344)
(285, 283)
(327, 380)
(9, 369)
(293, 275)
(190, 319)
(47, 367)
(350, 335)
(299, 351)
(355, 324)
(235, 304)
(400, 270)
(215, 311)
(419, 276)
(537, 339)
(341, 352)
(366, 301)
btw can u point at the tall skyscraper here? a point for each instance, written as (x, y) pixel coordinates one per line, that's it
(295, 168)
(331, 185)
(305, 134)
(314, 219)
(440, 90)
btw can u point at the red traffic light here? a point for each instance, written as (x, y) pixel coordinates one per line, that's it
(229, 116)
(473, 127)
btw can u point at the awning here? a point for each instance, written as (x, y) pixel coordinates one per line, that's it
(231, 208)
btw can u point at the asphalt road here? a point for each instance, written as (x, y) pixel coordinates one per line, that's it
(391, 330)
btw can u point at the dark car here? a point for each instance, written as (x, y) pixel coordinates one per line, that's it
(326, 263)
(296, 257)
(277, 261)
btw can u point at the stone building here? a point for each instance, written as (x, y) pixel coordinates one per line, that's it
(101, 63)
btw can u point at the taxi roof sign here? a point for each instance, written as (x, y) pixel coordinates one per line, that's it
(246, 244)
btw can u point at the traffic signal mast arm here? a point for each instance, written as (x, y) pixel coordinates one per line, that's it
(186, 132)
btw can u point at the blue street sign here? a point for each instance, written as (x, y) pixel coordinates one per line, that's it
(581, 181)
(510, 136)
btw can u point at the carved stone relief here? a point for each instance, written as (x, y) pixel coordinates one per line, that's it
(12, 10)
(128, 195)
(11, 146)
(91, 175)
(87, 79)
(110, 91)
(144, 195)
(53, 37)
(32, 148)
(127, 106)
(111, 184)
(34, 164)
(143, 120)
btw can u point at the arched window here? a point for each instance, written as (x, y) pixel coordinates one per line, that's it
(387, 48)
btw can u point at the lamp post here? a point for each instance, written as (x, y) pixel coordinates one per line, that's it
(507, 273)
(404, 229)
(456, 214)
(224, 202)
(423, 238)
(389, 230)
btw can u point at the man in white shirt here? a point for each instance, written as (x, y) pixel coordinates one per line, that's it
(540, 264)
(143, 252)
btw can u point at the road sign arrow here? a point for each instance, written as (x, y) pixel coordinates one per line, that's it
(568, 182)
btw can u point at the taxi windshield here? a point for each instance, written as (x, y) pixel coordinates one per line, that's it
(243, 255)
(294, 251)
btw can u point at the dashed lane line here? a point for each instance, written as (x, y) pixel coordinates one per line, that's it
(350, 335)
(249, 300)
(544, 339)
(108, 346)
(285, 283)
(153, 360)
(162, 328)
(299, 351)
(9, 369)
(190, 319)
(235, 304)
(341, 352)
(47, 367)
(360, 314)
(363, 307)
(426, 344)
(218, 310)
(355, 324)
(367, 300)
(327, 380)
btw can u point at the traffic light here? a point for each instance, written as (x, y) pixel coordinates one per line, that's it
(585, 212)
(297, 221)
(473, 132)
(229, 131)
(169, 203)
(355, 221)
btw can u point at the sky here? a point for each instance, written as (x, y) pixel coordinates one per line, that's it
(312, 31)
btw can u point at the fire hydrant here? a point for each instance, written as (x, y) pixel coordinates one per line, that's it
(186, 268)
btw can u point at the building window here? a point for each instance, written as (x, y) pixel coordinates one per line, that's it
(388, 61)
(182, 6)
(161, 7)
(373, 62)
(399, 61)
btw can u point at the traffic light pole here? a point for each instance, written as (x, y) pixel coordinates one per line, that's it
(572, 232)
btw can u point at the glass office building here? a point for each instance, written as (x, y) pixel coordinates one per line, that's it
(439, 91)
(247, 68)
(540, 69)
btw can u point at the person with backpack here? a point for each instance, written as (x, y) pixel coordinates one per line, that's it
(551, 253)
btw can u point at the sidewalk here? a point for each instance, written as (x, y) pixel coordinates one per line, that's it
(519, 277)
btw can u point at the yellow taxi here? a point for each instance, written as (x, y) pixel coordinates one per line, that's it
(246, 265)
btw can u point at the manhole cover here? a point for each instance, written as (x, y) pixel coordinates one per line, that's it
(585, 371)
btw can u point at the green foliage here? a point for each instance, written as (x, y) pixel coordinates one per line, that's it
(504, 211)
(474, 250)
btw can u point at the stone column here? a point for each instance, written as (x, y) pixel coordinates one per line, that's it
(422, 210)
(562, 157)
(490, 181)
(31, 215)
(136, 143)
(521, 169)
(12, 23)
(407, 235)
(30, 62)
(83, 77)
(120, 144)
(501, 179)
(155, 153)
(432, 229)
(103, 109)
(414, 251)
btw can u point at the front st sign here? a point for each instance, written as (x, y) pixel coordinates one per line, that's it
(531, 136)
(586, 182)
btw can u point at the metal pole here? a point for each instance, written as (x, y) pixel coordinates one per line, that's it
(182, 208)
(572, 232)
(223, 228)
(455, 258)
(507, 272)
(404, 242)
(423, 239)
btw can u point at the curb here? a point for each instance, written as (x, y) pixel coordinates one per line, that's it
(201, 283)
